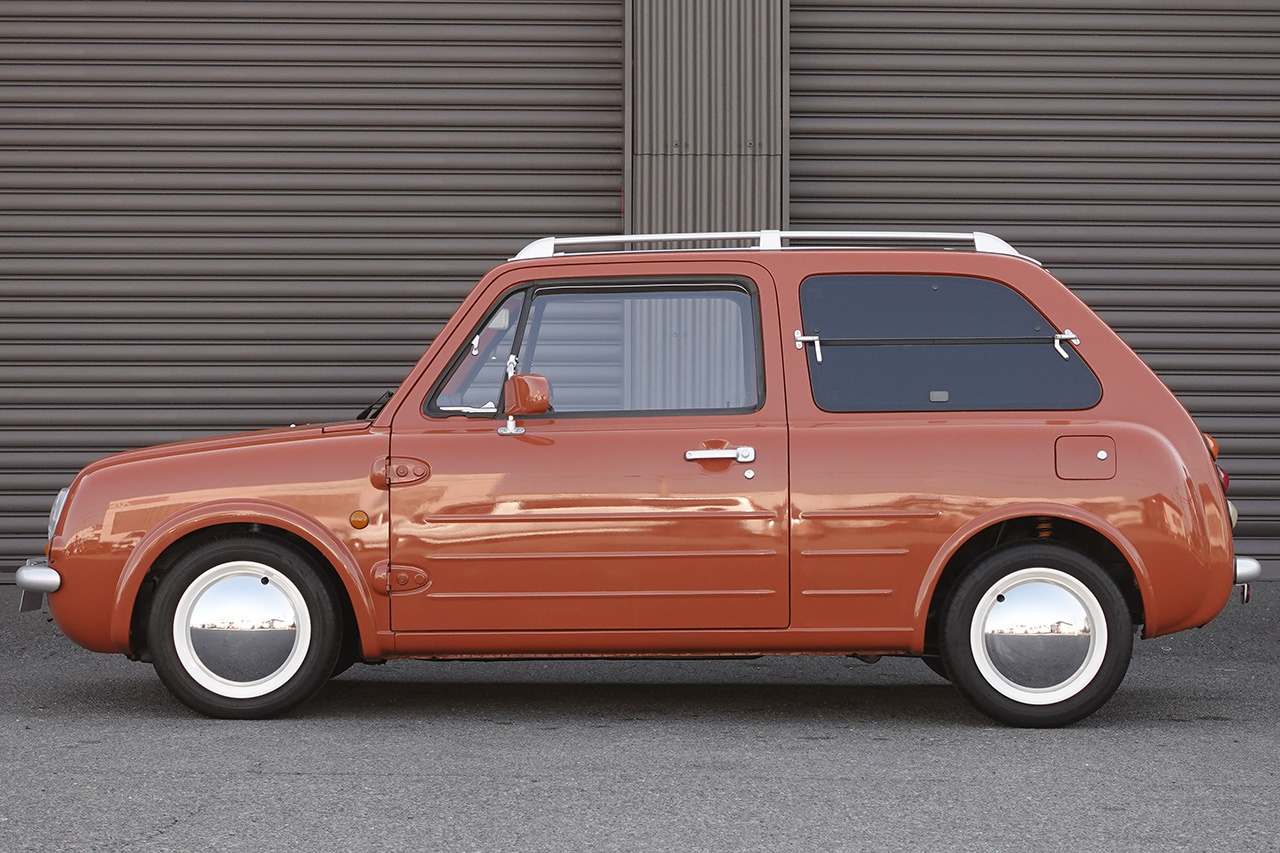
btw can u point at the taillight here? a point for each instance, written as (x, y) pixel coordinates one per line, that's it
(1211, 443)
(1226, 481)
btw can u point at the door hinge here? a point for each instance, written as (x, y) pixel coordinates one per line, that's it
(391, 471)
(389, 579)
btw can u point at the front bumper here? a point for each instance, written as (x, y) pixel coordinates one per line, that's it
(35, 579)
(1248, 570)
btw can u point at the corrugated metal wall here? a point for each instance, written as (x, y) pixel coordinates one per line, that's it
(224, 215)
(1135, 149)
(706, 135)
(218, 216)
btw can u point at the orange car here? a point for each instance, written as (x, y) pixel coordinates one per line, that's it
(818, 443)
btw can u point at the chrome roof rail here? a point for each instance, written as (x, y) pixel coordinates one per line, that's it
(771, 240)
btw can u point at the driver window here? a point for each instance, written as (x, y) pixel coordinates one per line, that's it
(649, 351)
(656, 350)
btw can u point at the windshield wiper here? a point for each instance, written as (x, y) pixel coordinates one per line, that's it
(372, 411)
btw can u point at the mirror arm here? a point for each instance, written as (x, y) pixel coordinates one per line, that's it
(511, 428)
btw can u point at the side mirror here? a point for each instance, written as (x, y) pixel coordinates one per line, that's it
(527, 394)
(524, 394)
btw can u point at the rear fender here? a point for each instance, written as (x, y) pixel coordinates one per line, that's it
(1025, 510)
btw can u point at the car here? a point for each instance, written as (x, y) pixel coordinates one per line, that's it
(685, 445)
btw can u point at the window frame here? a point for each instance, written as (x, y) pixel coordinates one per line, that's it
(936, 341)
(753, 336)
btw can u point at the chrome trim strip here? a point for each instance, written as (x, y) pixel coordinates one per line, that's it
(1248, 570)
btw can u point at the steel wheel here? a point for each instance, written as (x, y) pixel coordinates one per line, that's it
(244, 627)
(1037, 635)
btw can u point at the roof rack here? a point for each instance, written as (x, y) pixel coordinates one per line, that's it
(770, 240)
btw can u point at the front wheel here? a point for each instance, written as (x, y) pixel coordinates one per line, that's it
(244, 627)
(1037, 635)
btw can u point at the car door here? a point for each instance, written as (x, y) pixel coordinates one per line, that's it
(652, 495)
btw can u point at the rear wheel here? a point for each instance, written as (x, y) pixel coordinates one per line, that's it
(1037, 635)
(244, 627)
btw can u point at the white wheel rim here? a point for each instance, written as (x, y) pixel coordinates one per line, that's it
(254, 606)
(1049, 613)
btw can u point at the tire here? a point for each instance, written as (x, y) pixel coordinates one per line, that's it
(1069, 662)
(935, 664)
(349, 654)
(272, 631)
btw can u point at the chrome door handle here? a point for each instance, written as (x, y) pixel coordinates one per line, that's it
(740, 454)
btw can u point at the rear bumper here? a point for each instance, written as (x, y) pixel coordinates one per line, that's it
(1247, 570)
(35, 579)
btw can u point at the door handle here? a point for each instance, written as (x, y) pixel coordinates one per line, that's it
(739, 454)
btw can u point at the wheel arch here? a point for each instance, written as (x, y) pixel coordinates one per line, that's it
(1111, 552)
(196, 525)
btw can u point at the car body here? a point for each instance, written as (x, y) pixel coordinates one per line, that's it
(889, 444)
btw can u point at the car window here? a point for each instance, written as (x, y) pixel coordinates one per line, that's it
(668, 349)
(475, 383)
(936, 343)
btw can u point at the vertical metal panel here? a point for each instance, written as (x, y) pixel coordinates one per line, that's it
(225, 215)
(681, 193)
(1133, 150)
(707, 115)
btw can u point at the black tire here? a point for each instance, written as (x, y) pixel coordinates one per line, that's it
(244, 627)
(1037, 635)
(935, 664)
(348, 655)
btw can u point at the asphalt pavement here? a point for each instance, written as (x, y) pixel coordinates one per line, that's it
(775, 754)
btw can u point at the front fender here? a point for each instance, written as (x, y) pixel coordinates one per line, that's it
(245, 511)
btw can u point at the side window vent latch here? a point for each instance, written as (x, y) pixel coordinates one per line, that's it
(1066, 335)
(802, 339)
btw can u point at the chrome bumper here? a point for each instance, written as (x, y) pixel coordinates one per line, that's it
(1248, 570)
(35, 579)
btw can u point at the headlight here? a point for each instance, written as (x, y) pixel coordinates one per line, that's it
(54, 514)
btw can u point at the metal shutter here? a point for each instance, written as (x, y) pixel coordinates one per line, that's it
(217, 216)
(1135, 150)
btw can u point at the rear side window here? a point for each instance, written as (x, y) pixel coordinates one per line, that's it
(935, 343)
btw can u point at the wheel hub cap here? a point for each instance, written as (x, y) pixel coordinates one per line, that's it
(1039, 636)
(242, 629)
